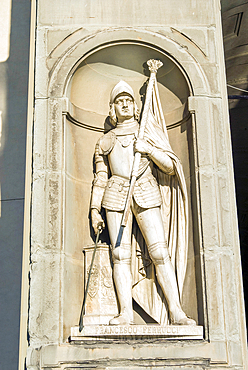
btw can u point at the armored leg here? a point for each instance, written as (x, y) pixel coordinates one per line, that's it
(151, 226)
(167, 280)
(121, 253)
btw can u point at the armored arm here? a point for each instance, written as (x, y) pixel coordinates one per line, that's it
(98, 188)
(158, 156)
(162, 160)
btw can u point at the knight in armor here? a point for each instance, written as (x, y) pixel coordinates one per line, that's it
(114, 155)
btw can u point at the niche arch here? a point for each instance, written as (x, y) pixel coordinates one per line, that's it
(86, 91)
(66, 57)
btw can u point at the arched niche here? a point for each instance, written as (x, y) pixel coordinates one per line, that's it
(87, 91)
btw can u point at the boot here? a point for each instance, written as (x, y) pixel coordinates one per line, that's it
(123, 283)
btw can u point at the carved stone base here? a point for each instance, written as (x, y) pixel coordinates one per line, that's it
(101, 303)
(136, 331)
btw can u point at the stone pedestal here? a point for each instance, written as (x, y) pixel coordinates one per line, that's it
(101, 303)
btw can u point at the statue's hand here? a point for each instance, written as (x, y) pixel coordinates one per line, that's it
(97, 221)
(142, 146)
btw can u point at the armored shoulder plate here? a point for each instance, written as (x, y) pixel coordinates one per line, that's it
(107, 142)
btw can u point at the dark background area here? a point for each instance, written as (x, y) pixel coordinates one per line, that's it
(239, 132)
(235, 30)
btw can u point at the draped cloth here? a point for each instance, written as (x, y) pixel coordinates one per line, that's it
(146, 290)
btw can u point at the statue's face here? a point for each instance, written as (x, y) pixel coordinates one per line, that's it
(124, 107)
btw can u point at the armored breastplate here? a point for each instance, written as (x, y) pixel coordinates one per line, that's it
(118, 146)
(121, 156)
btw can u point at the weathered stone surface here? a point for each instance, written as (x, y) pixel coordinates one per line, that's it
(113, 14)
(137, 353)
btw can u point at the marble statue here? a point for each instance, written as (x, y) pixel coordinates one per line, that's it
(156, 246)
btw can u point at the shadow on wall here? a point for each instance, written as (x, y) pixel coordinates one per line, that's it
(13, 101)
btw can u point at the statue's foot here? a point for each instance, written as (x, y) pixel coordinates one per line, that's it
(121, 319)
(182, 319)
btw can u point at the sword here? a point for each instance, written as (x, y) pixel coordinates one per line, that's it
(153, 66)
(81, 325)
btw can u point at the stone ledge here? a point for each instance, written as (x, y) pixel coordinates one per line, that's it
(135, 354)
(136, 331)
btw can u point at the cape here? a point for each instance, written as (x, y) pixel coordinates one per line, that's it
(146, 290)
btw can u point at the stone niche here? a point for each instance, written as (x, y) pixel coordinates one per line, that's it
(88, 94)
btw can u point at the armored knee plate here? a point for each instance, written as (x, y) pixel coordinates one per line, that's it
(159, 253)
(122, 254)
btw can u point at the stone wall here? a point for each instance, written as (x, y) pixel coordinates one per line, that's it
(82, 49)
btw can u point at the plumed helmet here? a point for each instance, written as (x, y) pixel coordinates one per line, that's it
(121, 87)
